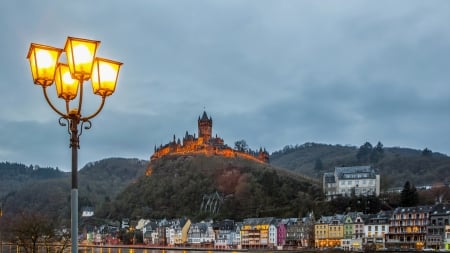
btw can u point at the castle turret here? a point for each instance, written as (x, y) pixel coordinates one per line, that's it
(204, 127)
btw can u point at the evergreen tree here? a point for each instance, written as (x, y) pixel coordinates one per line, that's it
(377, 153)
(427, 152)
(364, 152)
(409, 195)
(318, 166)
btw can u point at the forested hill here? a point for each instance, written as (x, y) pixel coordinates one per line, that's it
(48, 190)
(16, 175)
(396, 165)
(180, 185)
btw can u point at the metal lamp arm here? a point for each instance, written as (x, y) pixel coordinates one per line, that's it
(84, 119)
(44, 88)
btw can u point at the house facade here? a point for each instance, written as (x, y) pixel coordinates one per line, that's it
(408, 227)
(376, 228)
(348, 181)
(255, 232)
(224, 231)
(281, 233)
(353, 231)
(321, 232)
(201, 234)
(439, 219)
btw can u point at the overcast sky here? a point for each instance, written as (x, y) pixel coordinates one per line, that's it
(273, 73)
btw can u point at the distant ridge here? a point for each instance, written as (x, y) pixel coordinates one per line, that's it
(396, 165)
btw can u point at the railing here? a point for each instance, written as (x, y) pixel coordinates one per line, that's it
(83, 248)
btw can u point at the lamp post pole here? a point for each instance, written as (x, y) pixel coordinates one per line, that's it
(74, 145)
(81, 65)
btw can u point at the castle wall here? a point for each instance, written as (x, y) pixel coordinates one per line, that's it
(204, 144)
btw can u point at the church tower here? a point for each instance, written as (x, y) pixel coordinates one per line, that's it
(204, 127)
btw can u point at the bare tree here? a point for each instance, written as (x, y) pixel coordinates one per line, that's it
(29, 229)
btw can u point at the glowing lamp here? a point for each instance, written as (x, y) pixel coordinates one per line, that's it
(104, 76)
(43, 60)
(66, 87)
(80, 56)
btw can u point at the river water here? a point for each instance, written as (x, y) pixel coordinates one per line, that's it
(12, 248)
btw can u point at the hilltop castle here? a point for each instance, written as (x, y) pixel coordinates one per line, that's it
(205, 144)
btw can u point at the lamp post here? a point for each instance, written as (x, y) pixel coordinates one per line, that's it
(82, 65)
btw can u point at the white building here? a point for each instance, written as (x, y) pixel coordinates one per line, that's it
(273, 235)
(375, 229)
(346, 181)
(200, 233)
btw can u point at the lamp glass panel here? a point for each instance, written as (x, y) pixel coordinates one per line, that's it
(43, 61)
(80, 56)
(66, 86)
(104, 76)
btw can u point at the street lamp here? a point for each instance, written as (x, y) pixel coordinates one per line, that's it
(82, 65)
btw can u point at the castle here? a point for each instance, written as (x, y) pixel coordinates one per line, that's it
(205, 144)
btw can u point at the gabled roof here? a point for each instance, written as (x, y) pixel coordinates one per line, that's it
(224, 225)
(414, 209)
(258, 221)
(345, 172)
(441, 209)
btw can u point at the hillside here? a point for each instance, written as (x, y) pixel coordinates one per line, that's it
(178, 184)
(14, 176)
(181, 185)
(396, 165)
(49, 190)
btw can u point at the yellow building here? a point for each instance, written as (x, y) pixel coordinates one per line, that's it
(255, 232)
(329, 231)
(321, 232)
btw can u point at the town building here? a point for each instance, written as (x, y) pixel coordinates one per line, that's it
(225, 233)
(353, 231)
(329, 231)
(376, 227)
(439, 219)
(273, 234)
(295, 232)
(446, 242)
(408, 227)
(300, 232)
(201, 234)
(255, 232)
(351, 181)
(281, 233)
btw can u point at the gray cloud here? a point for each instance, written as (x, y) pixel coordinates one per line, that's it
(273, 73)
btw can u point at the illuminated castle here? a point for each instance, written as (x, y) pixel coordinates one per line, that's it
(205, 144)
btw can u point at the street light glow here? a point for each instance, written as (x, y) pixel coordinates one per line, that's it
(104, 76)
(66, 86)
(43, 61)
(45, 69)
(80, 56)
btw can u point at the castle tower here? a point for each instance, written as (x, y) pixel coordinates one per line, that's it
(204, 127)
